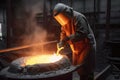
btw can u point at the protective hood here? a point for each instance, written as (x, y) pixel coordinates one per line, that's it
(62, 13)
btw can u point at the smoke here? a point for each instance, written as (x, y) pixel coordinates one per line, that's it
(34, 33)
(27, 29)
(38, 35)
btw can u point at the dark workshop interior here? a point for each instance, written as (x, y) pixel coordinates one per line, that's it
(28, 28)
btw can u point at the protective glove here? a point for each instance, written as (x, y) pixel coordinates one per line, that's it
(60, 44)
(63, 42)
(60, 47)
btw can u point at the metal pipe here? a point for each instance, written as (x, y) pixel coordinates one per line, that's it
(9, 21)
(26, 46)
(98, 9)
(84, 6)
(44, 13)
(94, 27)
(71, 3)
(107, 36)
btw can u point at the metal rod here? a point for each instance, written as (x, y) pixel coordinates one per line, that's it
(26, 46)
(98, 9)
(44, 13)
(84, 6)
(71, 3)
(9, 22)
(107, 36)
(94, 8)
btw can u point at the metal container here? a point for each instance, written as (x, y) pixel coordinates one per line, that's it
(15, 72)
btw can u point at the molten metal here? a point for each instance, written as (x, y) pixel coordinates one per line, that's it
(41, 59)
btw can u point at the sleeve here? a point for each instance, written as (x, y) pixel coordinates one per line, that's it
(81, 29)
(62, 34)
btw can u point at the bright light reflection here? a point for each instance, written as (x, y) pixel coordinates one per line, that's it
(42, 59)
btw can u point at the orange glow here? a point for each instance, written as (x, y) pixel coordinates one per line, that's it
(40, 59)
(62, 19)
(59, 49)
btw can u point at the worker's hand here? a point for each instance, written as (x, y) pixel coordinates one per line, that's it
(60, 45)
(61, 51)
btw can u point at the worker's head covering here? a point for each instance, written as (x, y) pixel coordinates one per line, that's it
(62, 13)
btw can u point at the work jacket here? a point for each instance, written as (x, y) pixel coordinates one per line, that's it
(81, 39)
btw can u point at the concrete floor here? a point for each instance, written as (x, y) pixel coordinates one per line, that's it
(76, 76)
(111, 77)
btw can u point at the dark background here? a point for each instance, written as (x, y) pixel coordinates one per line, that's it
(29, 21)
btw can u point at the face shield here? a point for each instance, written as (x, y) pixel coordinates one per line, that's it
(62, 19)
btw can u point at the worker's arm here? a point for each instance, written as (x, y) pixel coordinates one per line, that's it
(81, 30)
(62, 38)
(62, 34)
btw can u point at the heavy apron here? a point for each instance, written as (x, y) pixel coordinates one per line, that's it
(83, 53)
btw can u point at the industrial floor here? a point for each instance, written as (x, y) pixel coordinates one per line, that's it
(110, 77)
(75, 76)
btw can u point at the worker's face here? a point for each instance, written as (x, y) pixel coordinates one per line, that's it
(62, 19)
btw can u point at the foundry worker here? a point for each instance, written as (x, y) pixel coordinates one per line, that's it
(76, 31)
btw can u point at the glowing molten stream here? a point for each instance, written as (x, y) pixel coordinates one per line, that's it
(42, 59)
